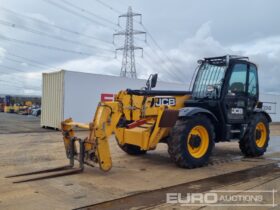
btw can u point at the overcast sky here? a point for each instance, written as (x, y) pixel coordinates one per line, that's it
(46, 35)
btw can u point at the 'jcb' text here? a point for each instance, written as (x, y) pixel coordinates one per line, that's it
(165, 101)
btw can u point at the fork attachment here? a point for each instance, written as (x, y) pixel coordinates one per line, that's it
(62, 170)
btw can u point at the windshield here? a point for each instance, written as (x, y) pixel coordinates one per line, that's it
(208, 74)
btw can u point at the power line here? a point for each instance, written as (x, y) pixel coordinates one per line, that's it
(108, 6)
(179, 77)
(75, 13)
(30, 60)
(162, 60)
(163, 63)
(158, 46)
(17, 61)
(121, 3)
(33, 61)
(13, 69)
(88, 12)
(116, 11)
(158, 65)
(24, 28)
(56, 26)
(43, 46)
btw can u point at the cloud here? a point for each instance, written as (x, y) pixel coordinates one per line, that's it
(174, 65)
(184, 57)
(178, 64)
(2, 54)
(268, 45)
(265, 53)
(24, 64)
(28, 83)
(93, 65)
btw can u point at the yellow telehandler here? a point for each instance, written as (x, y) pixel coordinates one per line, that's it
(222, 106)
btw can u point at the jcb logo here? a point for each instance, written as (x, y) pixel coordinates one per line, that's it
(165, 101)
(236, 111)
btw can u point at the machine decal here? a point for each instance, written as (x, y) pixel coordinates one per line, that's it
(107, 97)
(236, 111)
(168, 101)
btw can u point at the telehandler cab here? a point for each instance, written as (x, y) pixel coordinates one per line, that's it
(222, 106)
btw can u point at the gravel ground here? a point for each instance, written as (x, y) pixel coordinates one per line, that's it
(24, 147)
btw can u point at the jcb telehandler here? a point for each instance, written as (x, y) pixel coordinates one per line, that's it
(222, 106)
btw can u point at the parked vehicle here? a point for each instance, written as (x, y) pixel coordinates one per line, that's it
(36, 112)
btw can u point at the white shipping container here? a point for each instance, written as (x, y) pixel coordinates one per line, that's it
(75, 94)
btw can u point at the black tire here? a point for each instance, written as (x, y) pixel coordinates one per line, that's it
(248, 144)
(178, 146)
(131, 149)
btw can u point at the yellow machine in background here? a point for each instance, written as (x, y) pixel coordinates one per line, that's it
(13, 108)
(16, 108)
(28, 103)
(6, 109)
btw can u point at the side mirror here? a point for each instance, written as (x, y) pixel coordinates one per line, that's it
(154, 80)
(151, 82)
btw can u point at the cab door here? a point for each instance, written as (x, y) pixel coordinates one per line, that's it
(235, 101)
(253, 89)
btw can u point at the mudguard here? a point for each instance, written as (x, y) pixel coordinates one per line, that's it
(190, 111)
(258, 110)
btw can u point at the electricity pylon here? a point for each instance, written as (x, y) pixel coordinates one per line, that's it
(128, 68)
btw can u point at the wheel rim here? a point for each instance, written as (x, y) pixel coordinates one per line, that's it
(199, 150)
(261, 134)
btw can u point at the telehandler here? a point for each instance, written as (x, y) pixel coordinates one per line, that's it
(222, 106)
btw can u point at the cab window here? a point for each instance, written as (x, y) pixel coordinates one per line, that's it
(237, 82)
(252, 84)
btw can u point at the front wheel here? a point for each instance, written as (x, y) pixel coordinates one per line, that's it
(191, 141)
(255, 141)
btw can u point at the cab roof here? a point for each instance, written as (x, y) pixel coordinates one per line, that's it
(224, 60)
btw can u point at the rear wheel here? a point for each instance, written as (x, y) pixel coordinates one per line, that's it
(131, 149)
(191, 141)
(255, 141)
